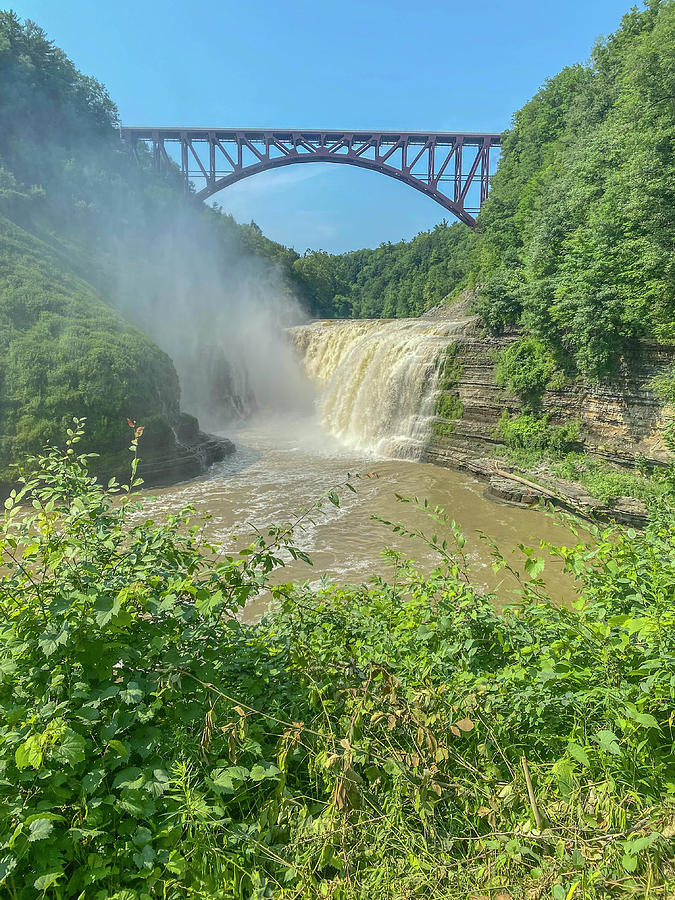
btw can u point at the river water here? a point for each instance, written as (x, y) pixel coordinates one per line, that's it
(357, 397)
(281, 468)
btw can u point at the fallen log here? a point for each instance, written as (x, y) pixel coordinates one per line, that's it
(567, 501)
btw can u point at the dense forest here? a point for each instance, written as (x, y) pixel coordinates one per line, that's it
(393, 281)
(575, 242)
(577, 237)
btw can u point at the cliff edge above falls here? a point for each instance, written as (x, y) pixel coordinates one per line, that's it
(621, 419)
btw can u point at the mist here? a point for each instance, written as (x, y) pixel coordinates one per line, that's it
(218, 311)
(100, 228)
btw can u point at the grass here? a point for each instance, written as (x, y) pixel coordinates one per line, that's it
(608, 483)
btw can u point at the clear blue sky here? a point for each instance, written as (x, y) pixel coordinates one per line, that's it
(437, 65)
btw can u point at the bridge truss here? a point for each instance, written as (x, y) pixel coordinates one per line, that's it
(452, 169)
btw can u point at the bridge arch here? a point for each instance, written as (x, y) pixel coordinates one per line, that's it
(452, 169)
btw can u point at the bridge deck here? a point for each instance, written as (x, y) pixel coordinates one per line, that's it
(425, 160)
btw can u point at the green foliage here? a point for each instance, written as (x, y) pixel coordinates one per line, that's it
(79, 222)
(536, 434)
(150, 745)
(448, 407)
(665, 387)
(576, 240)
(527, 367)
(61, 349)
(392, 281)
(608, 483)
(113, 629)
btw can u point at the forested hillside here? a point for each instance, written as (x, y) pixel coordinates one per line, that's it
(576, 240)
(61, 348)
(392, 281)
(78, 218)
(577, 236)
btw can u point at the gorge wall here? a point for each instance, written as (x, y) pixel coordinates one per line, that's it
(620, 419)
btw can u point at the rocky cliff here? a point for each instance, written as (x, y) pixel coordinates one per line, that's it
(621, 419)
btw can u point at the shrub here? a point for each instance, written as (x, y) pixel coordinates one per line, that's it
(113, 627)
(153, 746)
(532, 433)
(527, 367)
(608, 483)
(448, 406)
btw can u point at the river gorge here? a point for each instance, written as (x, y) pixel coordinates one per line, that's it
(375, 385)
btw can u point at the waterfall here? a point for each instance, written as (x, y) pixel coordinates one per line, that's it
(377, 379)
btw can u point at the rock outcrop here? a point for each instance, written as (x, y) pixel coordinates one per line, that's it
(189, 460)
(621, 418)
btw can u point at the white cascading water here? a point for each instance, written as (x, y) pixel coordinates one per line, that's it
(377, 379)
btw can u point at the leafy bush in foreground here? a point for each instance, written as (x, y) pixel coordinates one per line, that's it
(358, 742)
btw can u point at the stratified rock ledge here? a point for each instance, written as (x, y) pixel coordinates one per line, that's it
(566, 495)
(192, 457)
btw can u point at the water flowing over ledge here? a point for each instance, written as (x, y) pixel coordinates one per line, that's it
(377, 379)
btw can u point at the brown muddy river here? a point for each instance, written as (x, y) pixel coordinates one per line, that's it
(280, 468)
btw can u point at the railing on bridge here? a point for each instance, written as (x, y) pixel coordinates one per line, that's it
(451, 168)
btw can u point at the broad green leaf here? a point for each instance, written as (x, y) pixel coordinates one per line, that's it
(629, 862)
(70, 748)
(228, 779)
(105, 609)
(132, 695)
(608, 741)
(52, 638)
(40, 829)
(7, 866)
(145, 858)
(142, 837)
(136, 803)
(30, 752)
(578, 753)
(131, 777)
(534, 565)
(46, 881)
(92, 780)
(645, 719)
(119, 748)
(267, 770)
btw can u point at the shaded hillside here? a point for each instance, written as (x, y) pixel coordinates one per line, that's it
(63, 349)
(89, 246)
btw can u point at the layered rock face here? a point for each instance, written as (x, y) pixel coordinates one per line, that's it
(621, 418)
(190, 458)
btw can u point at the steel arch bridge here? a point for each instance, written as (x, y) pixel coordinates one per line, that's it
(451, 168)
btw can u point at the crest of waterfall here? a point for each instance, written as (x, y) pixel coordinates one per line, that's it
(377, 379)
